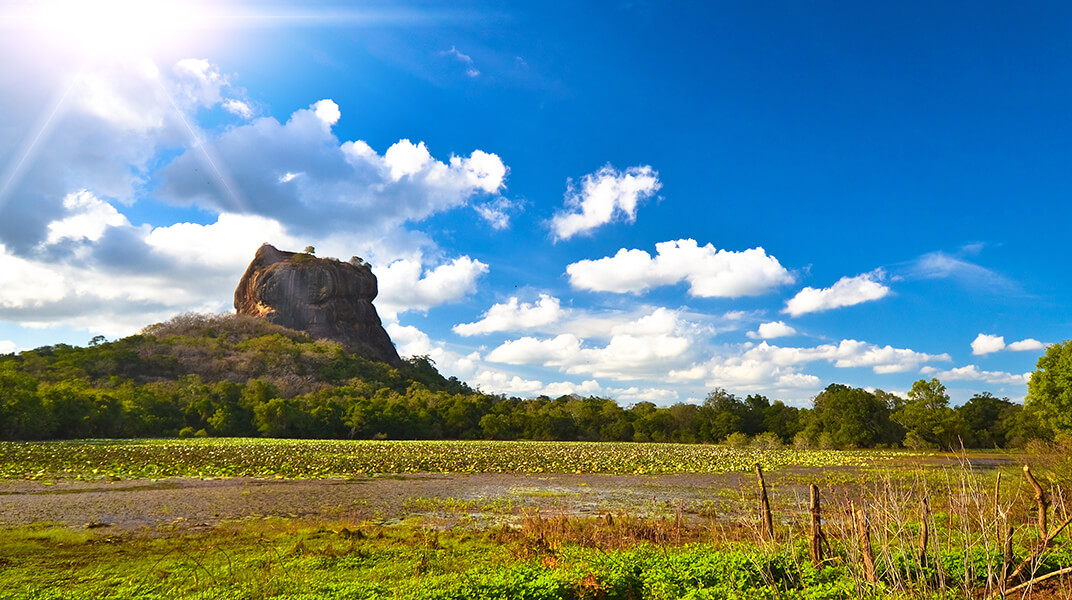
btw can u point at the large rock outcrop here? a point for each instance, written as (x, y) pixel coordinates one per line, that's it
(324, 297)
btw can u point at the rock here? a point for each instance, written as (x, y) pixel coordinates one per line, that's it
(323, 297)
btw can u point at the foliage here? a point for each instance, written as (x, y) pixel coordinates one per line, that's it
(845, 417)
(926, 416)
(131, 459)
(1050, 389)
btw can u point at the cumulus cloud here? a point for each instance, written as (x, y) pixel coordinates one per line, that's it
(227, 244)
(494, 381)
(514, 315)
(847, 353)
(774, 329)
(986, 344)
(602, 197)
(238, 108)
(973, 373)
(87, 219)
(343, 186)
(7, 347)
(710, 273)
(1026, 345)
(406, 285)
(766, 367)
(848, 291)
(646, 347)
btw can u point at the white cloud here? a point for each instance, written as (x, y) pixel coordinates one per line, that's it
(7, 347)
(464, 59)
(199, 82)
(344, 187)
(515, 315)
(238, 108)
(405, 285)
(986, 344)
(846, 292)
(497, 212)
(327, 112)
(847, 353)
(765, 367)
(972, 373)
(227, 244)
(26, 283)
(650, 394)
(646, 347)
(604, 196)
(498, 382)
(411, 341)
(88, 218)
(939, 265)
(711, 273)
(774, 329)
(1026, 345)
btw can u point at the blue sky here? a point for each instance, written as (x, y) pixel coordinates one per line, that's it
(638, 200)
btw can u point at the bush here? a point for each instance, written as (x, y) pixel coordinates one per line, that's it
(767, 441)
(737, 440)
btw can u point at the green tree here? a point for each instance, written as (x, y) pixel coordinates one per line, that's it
(983, 419)
(1049, 392)
(844, 417)
(926, 416)
(22, 415)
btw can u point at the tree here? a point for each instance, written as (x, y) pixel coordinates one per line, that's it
(927, 417)
(983, 420)
(844, 417)
(1049, 391)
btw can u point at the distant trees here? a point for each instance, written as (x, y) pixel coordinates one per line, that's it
(239, 376)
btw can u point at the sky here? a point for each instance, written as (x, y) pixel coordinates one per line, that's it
(641, 201)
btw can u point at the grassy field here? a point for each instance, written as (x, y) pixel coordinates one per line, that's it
(520, 548)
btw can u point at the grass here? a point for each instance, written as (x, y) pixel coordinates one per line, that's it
(285, 559)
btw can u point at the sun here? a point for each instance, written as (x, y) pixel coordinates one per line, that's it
(123, 27)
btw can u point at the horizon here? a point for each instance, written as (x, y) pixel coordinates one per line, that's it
(639, 202)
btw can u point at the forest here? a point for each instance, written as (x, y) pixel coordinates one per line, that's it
(236, 376)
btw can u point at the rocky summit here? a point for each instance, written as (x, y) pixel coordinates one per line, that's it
(324, 297)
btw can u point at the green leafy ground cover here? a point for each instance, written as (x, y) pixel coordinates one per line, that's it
(278, 559)
(130, 459)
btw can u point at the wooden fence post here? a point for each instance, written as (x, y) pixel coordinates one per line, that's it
(764, 505)
(816, 527)
(863, 531)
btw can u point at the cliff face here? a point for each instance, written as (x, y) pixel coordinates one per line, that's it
(325, 298)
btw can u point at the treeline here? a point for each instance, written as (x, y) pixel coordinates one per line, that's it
(237, 376)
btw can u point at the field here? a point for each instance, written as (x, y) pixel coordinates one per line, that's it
(211, 518)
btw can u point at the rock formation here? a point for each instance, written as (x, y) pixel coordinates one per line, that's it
(324, 297)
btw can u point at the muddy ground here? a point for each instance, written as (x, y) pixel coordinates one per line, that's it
(474, 498)
(482, 499)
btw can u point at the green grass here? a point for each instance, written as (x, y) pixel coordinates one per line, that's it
(132, 459)
(285, 559)
(278, 559)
